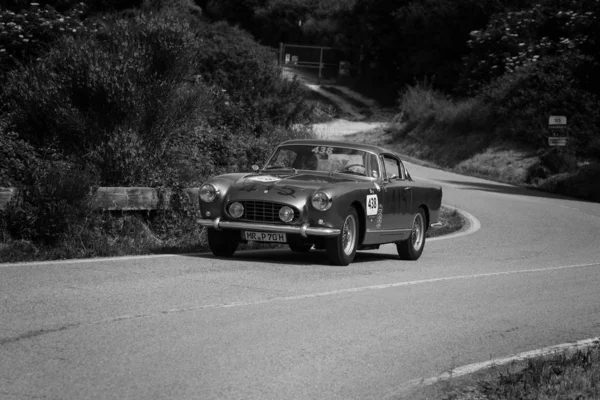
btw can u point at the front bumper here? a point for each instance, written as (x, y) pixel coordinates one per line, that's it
(305, 230)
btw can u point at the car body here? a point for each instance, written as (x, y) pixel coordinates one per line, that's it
(332, 195)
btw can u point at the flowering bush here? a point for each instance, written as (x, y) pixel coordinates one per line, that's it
(24, 35)
(514, 39)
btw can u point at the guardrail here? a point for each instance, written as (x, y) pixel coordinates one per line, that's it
(120, 198)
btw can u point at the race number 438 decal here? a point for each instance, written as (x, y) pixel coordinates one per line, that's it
(372, 204)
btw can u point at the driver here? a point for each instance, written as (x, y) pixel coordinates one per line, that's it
(311, 162)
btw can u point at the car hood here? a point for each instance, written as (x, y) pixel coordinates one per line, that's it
(292, 189)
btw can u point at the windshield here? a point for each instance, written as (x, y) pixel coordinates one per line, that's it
(325, 159)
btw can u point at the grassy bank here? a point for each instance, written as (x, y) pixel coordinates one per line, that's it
(468, 137)
(573, 374)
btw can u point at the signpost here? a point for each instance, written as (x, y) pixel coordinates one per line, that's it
(558, 126)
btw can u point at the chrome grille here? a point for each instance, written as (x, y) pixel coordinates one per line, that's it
(263, 211)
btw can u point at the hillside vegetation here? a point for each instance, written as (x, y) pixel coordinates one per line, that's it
(164, 93)
(151, 96)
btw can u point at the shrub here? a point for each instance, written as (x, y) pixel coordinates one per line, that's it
(147, 103)
(523, 101)
(18, 158)
(55, 200)
(516, 38)
(422, 106)
(26, 34)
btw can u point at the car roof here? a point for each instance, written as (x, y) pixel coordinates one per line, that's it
(339, 143)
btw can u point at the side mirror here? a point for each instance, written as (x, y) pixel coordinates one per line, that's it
(255, 168)
(392, 176)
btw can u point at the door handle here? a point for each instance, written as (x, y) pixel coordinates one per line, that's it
(407, 188)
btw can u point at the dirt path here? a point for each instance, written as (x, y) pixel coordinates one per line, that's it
(346, 101)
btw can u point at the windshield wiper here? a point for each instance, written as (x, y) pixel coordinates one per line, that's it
(282, 168)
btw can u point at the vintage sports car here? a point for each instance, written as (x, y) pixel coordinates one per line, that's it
(337, 196)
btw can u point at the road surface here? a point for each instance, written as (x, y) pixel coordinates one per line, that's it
(277, 325)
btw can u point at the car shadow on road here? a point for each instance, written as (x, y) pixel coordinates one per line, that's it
(286, 256)
(506, 189)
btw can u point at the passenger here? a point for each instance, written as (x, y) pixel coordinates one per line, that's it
(311, 162)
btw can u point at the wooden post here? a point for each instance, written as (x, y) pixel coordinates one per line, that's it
(281, 51)
(320, 65)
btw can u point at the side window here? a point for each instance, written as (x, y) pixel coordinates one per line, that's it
(374, 172)
(392, 167)
(403, 173)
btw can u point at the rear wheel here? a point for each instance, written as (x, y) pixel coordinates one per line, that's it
(223, 243)
(412, 248)
(342, 249)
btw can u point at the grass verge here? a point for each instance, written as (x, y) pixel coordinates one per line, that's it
(136, 234)
(572, 374)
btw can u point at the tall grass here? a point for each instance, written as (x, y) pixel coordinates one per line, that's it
(435, 127)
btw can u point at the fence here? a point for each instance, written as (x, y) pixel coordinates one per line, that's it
(325, 59)
(120, 198)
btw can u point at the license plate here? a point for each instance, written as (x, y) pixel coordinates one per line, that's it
(264, 236)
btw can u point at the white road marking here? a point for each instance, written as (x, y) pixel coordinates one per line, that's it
(314, 295)
(474, 226)
(395, 285)
(94, 260)
(476, 367)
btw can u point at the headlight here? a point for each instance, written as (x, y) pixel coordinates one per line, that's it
(208, 193)
(236, 210)
(286, 214)
(321, 201)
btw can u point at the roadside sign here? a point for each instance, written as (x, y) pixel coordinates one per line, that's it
(558, 126)
(557, 141)
(557, 120)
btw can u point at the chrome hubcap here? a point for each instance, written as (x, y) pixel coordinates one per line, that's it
(418, 232)
(349, 235)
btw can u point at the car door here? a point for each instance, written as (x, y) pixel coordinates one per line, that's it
(397, 195)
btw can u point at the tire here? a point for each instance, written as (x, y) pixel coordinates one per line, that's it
(342, 249)
(412, 248)
(223, 243)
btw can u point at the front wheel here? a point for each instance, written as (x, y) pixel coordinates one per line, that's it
(223, 243)
(411, 248)
(342, 249)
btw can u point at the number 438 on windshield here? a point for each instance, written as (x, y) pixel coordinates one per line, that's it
(323, 150)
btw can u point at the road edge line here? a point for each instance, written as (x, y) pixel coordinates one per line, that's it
(480, 366)
(473, 225)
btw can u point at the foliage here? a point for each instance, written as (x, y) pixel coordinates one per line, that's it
(524, 100)
(147, 103)
(53, 202)
(18, 157)
(513, 39)
(26, 34)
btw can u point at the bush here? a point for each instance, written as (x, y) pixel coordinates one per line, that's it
(18, 158)
(56, 200)
(522, 103)
(423, 107)
(147, 103)
(27, 33)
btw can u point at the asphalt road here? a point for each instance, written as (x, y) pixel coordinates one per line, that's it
(277, 325)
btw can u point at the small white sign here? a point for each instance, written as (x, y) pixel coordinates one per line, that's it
(372, 204)
(557, 120)
(557, 141)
